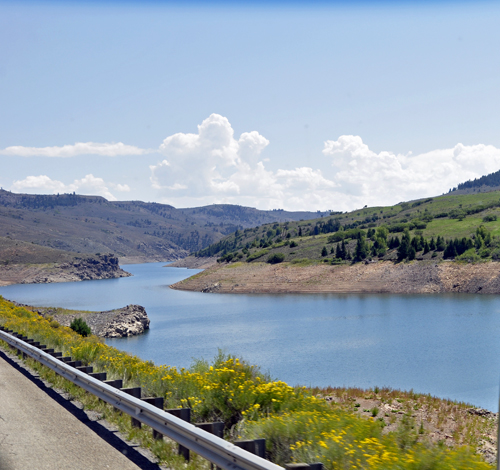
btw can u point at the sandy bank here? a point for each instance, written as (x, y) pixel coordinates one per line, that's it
(380, 277)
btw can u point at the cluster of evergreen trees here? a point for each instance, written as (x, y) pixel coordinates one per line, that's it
(408, 246)
(493, 179)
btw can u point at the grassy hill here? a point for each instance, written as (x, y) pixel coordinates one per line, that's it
(450, 217)
(90, 224)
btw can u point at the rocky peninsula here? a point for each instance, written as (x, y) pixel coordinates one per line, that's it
(127, 321)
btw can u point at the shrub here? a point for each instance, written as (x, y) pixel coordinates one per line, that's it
(80, 326)
(293, 244)
(396, 228)
(256, 255)
(484, 252)
(470, 256)
(489, 218)
(276, 258)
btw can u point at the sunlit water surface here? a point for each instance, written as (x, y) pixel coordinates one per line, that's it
(446, 345)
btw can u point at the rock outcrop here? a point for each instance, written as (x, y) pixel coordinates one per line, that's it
(127, 321)
(79, 269)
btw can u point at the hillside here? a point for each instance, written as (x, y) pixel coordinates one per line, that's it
(446, 228)
(147, 231)
(28, 263)
(450, 216)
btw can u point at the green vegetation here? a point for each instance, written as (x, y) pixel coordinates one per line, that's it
(437, 228)
(79, 326)
(276, 258)
(297, 425)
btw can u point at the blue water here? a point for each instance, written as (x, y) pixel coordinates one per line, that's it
(446, 345)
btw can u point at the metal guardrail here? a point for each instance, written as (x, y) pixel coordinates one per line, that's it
(216, 450)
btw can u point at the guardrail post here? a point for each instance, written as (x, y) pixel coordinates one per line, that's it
(74, 364)
(185, 415)
(297, 466)
(255, 446)
(316, 466)
(86, 369)
(99, 375)
(304, 466)
(117, 383)
(260, 448)
(135, 392)
(158, 402)
(217, 429)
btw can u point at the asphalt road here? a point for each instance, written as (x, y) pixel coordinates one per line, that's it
(40, 430)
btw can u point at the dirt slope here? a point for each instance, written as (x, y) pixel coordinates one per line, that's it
(380, 277)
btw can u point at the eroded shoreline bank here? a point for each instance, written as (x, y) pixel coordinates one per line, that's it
(380, 277)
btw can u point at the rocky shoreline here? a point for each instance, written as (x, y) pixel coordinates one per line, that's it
(118, 323)
(418, 277)
(79, 269)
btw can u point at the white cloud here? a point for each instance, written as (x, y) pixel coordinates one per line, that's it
(211, 163)
(386, 178)
(80, 148)
(125, 188)
(213, 166)
(89, 185)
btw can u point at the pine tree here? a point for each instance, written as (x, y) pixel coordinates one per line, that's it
(324, 251)
(432, 244)
(361, 251)
(450, 250)
(440, 243)
(479, 242)
(405, 245)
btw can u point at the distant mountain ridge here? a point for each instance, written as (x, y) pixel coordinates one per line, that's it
(148, 231)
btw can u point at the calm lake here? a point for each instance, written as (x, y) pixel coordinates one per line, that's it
(446, 345)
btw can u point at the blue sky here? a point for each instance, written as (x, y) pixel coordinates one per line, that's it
(272, 105)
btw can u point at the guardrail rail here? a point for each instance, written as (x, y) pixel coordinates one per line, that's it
(220, 452)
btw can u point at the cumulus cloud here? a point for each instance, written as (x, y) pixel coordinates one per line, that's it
(211, 162)
(215, 166)
(386, 178)
(80, 148)
(90, 185)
